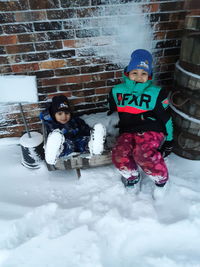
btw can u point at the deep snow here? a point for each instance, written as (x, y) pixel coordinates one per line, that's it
(53, 219)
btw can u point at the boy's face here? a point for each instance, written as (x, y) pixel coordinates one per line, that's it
(138, 75)
(62, 117)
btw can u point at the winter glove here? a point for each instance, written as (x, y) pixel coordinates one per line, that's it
(109, 112)
(70, 133)
(166, 148)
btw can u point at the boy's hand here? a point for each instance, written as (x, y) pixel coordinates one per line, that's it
(166, 148)
(109, 112)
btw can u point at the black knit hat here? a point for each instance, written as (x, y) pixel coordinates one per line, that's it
(59, 103)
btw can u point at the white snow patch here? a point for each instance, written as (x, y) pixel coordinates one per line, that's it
(125, 26)
(53, 219)
(54, 147)
(35, 140)
(109, 122)
(97, 139)
(9, 141)
(23, 88)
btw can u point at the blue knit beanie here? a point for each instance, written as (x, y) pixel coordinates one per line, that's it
(140, 59)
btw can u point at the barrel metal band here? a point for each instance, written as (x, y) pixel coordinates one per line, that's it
(185, 116)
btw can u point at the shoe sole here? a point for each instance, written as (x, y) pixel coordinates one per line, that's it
(96, 144)
(53, 147)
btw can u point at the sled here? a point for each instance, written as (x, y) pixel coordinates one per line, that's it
(78, 161)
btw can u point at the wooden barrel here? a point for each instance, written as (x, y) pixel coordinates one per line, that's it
(186, 79)
(186, 93)
(186, 135)
(190, 47)
(185, 104)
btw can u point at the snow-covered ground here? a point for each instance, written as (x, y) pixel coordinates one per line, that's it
(53, 219)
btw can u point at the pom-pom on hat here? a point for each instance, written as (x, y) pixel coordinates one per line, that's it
(59, 103)
(140, 59)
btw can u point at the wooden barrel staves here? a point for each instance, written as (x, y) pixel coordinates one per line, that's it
(190, 53)
(186, 135)
(185, 97)
(185, 106)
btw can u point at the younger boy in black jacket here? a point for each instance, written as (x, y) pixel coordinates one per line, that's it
(66, 133)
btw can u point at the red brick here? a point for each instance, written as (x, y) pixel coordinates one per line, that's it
(25, 67)
(118, 74)
(94, 84)
(104, 90)
(9, 39)
(79, 79)
(159, 35)
(69, 43)
(78, 100)
(151, 7)
(106, 75)
(83, 93)
(71, 87)
(169, 26)
(67, 94)
(15, 49)
(30, 16)
(44, 4)
(47, 90)
(174, 34)
(14, 5)
(172, 6)
(53, 64)
(54, 81)
(31, 38)
(26, 38)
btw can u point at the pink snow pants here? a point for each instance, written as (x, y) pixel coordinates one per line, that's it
(140, 149)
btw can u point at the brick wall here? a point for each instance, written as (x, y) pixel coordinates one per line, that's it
(54, 40)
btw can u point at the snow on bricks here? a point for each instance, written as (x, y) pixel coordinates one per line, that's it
(71, 46)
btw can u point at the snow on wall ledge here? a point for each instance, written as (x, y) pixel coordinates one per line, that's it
(79, 48)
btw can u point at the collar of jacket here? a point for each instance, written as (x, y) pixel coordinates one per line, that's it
(136, 88)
